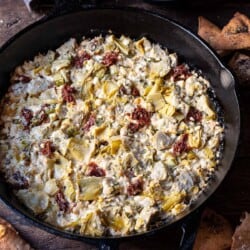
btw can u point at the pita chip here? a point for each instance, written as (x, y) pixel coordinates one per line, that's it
(214, 233)
(238, 24)
(208, 31)
(222, 41)
(240, 64)
(241, 237)
(9, 238)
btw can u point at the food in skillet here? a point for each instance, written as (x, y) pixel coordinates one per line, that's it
(108, 137)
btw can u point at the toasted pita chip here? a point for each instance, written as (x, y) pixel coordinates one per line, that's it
(208, 31)
(240, 64)
(241, 237)
(9, 238)
(214, 233)
(218, 40)
(238, 24)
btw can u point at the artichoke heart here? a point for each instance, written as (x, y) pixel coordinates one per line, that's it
(90, 188)
(122, 46)
(69, 191)
(153, 75)
(147, 90)
(172, 99)
(167, 110)
(59, 78)
(162, 140)
(100, 73)
(157, 100)
(117, 223)
(182, 127)
(49, 96)
(63, 143)
(51, 187)
(190, 88)
(203, 104)
(84, 222)
(80, 150)
(36, 200)
(194, 139)
(59, 64)
(140, 45)
(157, 87)
(109, 88)
(208, 153)
(161, 67)
(172, 200)
(87, 90)
(191, 155)
(94, 225)
(155, 191)
(62, 166)
(37, 70)
(103, 132)
(170, 160)
(114, 146)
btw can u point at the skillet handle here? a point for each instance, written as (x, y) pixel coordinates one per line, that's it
(227, 79)
(109, 245)
(189, 230)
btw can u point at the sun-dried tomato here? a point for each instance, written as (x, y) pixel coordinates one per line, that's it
(133, 127)
(40, 117)
(19, 181)
(89, 123)
(142, 116)
(68, 93)
(95, 170)
(43, 116)
(61, 201)
(47, 148)
(181, 145)
(79, 59)
(28, 115)
(34, 120)
(136, 187)
(122, 90)
(194, 115)
(22, 78)
(134, 91)
(129, 173)
(181, 72)
(110, 58)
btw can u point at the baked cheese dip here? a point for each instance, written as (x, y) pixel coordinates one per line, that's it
(108, 137)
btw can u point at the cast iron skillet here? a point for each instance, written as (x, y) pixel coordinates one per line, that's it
(52, 32)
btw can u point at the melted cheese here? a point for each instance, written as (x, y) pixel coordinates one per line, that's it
(98, 137)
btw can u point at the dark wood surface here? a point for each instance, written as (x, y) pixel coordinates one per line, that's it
(233, 196)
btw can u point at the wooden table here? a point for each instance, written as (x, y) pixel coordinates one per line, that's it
(232, 197)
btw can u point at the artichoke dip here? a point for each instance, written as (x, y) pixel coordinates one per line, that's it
(108, 136)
